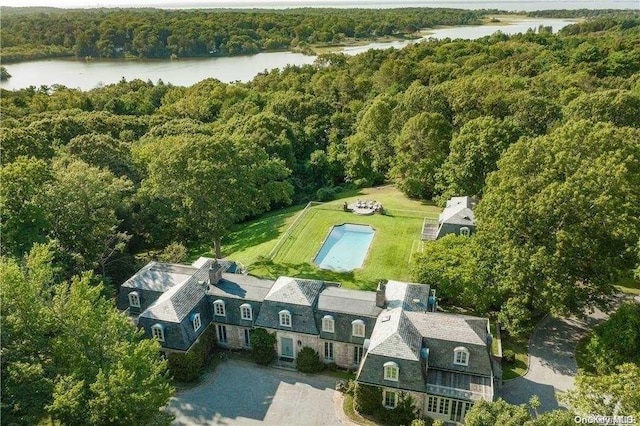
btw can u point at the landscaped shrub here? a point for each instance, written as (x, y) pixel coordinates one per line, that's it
(404, 413)
(347, 388)
(186, 367)
(263, 346)
(326, 194)
(367, 399)
(308, 361)
(508, 355)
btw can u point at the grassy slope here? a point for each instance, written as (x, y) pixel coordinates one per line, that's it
(397, 237)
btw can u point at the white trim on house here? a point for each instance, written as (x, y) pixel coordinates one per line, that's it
(328, 324)
(219, 308)
(285, 318)
(389, 399)
(196, 322)
(134, 299)
(391, 371)
(461, 356)
(358, 328)
(157, 331)
(246, 312)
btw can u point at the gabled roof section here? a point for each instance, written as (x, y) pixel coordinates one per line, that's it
(345, 301)
(394, 336)
(295, 291)
(160, 277)
(459, 211)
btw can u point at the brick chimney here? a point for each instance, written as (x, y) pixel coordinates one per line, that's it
(381, 299)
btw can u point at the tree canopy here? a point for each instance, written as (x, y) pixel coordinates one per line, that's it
(69, 354)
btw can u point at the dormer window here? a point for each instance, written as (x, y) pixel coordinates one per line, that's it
(464, 231)
(461, 356)
(196, 322)
(285, 318)
(218, 308)
(357, 328)
(157, 331)
(134, 299)
(328, 324)
(246, 312)
(391, 371)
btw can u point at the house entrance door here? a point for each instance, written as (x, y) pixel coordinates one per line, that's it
(286, 347)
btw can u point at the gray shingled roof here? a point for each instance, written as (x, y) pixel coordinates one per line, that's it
(296, 291)
(241, 287)
(409, 296)
(410, 377)
(160, 277)
(443, 332)
(353, 302)
(177, 302)
(395, 336)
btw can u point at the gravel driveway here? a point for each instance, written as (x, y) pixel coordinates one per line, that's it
(240, 393)
(552, 363)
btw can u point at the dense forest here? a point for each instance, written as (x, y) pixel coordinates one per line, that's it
(149, 33)
(543, 128)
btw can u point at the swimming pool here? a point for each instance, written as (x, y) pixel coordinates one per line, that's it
(345, 248)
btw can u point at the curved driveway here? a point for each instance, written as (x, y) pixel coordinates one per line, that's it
(552, 363)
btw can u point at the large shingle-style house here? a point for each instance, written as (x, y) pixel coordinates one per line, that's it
(393, 337)
(457, 217)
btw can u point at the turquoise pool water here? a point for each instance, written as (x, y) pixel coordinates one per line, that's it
(345, 248)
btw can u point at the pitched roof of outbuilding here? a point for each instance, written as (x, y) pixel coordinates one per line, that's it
(459, 211)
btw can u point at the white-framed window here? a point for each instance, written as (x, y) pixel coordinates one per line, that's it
(328, 324)
(391, 371)
(389, 399)
(358, 351)
(157, 331)
(357, 328)
(464, 231)
(196, 322)
(443, 407)
(218, 308)
(285, 318)
(328, 351)
(432, 404)
(134, 299)
(246, 338)
(246, 313)
(461, 356)
(222, 334)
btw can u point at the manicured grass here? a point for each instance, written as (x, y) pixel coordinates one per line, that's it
(511, 370)
(629, 286)
(396, 240)
(496, 344)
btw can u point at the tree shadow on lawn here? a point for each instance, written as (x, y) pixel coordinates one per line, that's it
(268, 268)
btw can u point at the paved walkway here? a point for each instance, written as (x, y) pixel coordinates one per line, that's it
(552, 363)
(240, 393)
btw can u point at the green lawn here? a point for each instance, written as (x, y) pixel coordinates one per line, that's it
(397, 238)
(511, 370)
